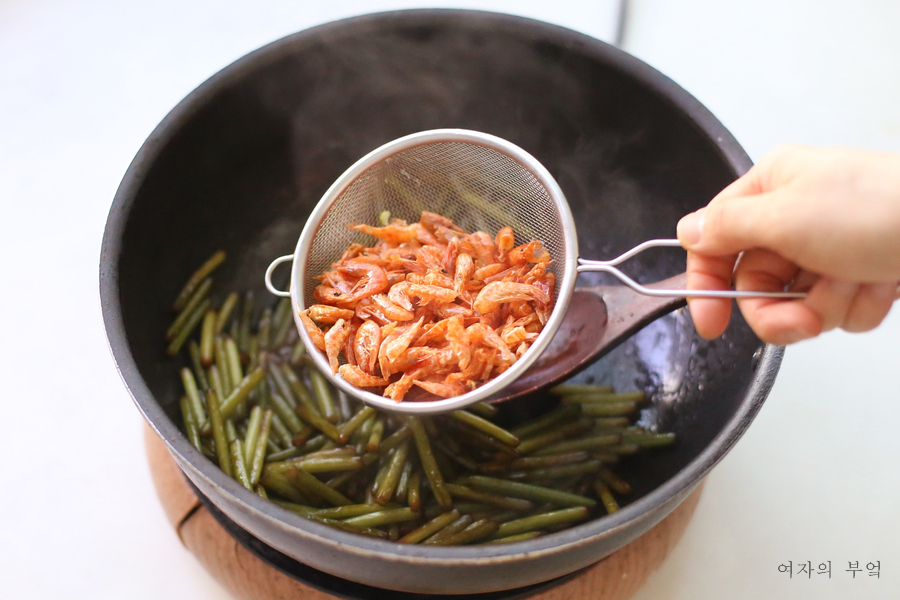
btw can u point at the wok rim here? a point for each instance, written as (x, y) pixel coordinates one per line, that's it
(195, 464)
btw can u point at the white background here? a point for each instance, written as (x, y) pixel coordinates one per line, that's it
(83, 83)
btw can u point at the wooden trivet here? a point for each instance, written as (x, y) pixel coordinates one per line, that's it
(617, 577)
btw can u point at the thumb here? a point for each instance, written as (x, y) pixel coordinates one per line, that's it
(729, 225)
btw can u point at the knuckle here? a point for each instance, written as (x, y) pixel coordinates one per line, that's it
(715, 220)
(785, 151)
(781, 164)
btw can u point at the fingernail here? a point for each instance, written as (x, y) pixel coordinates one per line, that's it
(689, 228)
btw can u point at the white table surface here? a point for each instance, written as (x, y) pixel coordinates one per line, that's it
(83, 83)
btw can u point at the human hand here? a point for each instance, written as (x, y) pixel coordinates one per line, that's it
(826, 221)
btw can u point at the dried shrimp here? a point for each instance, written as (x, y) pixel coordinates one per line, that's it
(430, 306)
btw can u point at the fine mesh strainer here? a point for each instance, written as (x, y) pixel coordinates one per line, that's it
(479, 181)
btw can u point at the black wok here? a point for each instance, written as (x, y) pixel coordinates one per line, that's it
(242, 160)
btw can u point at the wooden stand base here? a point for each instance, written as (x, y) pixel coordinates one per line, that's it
(617, 577)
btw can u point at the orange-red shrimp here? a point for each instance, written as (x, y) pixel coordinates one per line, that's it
(410, 266)
(359, 378)
(390, 310)
(388, 336)
(333, 287)
(524, 320)
(365, 346)
(391, 263)
(352, 251)
(482, 364)
(445, 235)
(506, 240)
(532, 252)
(432, 220)
(467, 298)
(436, 363)
(367, 309)
(315, 334)
(395, 277)
(459, 341)
(397, 390)
(349, 352)
(437, 278)
(448, 262)
(430, 306)
(543, 309)
(465, 245)
(484, 248)
(429, 258)
(425, 311)
(513, 274)
(384, 252)
(520, 309)
(512, 336)
(478, 370)
(483, 334)
(394, 233)
(399, 296)
(387, 329)
(431, 293)
(444, 390)
(398, 345)
(445, 311)
(537, 272)
(326, 294)
(372, 280)
(322, 313)
(462, 272)
(425, 237)
(336, 280)
(487, 367)
(432, 277)
(434, 334)
(334, 342)
(492, 319)
(481, 273)
(547, 284)
(419, 356)
(496, 293)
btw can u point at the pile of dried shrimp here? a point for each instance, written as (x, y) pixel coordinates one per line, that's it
(430, 305)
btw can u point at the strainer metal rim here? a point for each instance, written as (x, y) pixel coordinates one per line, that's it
(565, 284)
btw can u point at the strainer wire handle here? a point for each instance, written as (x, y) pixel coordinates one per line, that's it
(269, 285)
(608, 266)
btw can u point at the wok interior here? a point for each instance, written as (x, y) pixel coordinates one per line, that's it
(248, 163)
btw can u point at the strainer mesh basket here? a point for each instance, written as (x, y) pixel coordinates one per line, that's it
(477, 187)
